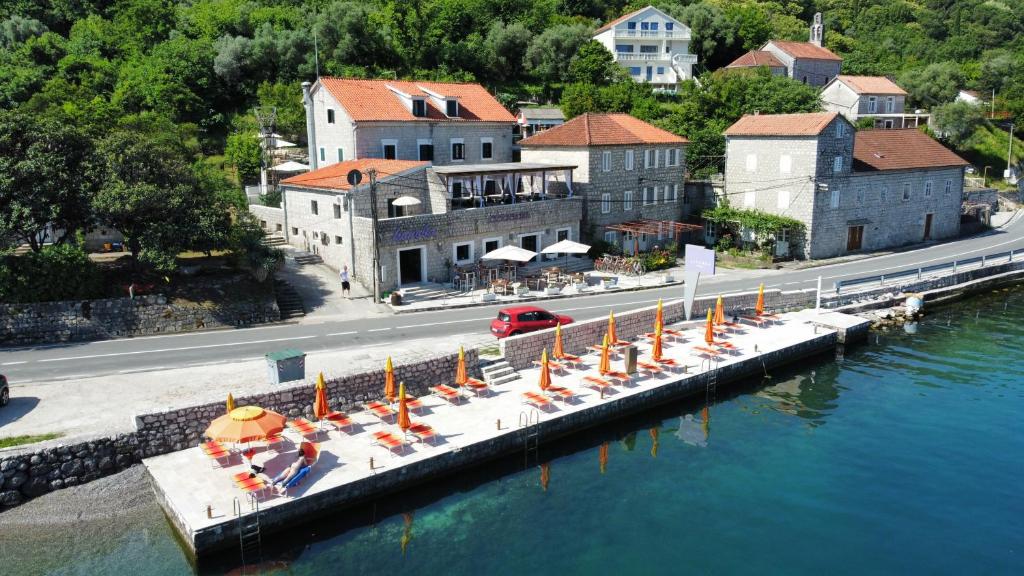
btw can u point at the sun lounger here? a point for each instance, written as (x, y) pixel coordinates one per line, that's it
(446, 393)
(556, 366)
(388, 441)
(756, 321)
(380, 410)
(708, 351)
(595, 383)
(734, 326)
(570, 360)
(303, 472)
(413, 403)
(535, 399)
(620, 377)
(339, 420)
(560, 393)
(649, 367)
(304, 427)
(477, 387)
(675, 334)
(216, 452)
(669, 363)
(422, 432)
(597, 350)
(252, 486)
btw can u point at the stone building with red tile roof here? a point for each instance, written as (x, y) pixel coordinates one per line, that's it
(627, 170)
(853, 190)
(875, 97)
(436, 122)
(808, 62)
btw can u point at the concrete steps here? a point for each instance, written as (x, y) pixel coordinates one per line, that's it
(426, 292)
(499, 372)
(288, 300)
(274, 240)
(305, 258)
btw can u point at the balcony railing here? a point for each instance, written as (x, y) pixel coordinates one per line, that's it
(667, 34)
(643, 56)
(684, 58)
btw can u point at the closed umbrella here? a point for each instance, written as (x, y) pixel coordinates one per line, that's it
(245, 424)
(320, 407)
(557, 351)
(545, 372)
(709, 333)
(656, 350)
(403, 409)
(613, 339)
(230, 403)
(719, 312)
(460, 370)
(759, 306)
(659, 318)
(605, 366)
(389, 382)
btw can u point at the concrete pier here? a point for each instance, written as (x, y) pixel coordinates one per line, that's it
(188, 485)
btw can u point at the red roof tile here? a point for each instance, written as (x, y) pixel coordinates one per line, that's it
(871, 85)
(757, 58)
(592, 129)
(369, 100)
(804, 50)
(810, 124)
(900, 150)
(333, 177)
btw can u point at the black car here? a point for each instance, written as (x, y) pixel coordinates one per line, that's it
(5, 393)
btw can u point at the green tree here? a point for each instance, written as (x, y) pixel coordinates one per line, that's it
(506, 46)
(957, 121)
(548, 55)
(592, 64)
(579, 99)
(933, 84)
(47, 179)
(243, 153)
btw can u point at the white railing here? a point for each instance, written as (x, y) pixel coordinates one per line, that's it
(684, 58)
(642, 56)
(668, 34)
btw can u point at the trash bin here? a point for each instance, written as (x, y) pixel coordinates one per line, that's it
(286, 366)
(396, 298)
(629, 354)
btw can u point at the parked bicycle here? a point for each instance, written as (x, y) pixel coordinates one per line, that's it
(626, 265)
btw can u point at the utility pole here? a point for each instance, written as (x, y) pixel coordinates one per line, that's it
(266, 117)
(992, 114)
(1009, 154)
(376, 235)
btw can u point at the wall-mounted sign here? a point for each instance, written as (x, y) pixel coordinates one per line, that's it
(413, 234)
(508, 217)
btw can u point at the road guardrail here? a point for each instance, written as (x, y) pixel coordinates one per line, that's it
(866, 283)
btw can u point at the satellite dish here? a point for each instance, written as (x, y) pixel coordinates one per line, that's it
(354, 177)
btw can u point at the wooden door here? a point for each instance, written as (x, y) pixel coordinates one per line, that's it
(854, 237)
(927, 226)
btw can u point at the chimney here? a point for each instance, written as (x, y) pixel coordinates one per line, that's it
(307, 101)
(817, 31)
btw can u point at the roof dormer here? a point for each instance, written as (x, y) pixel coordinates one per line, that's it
(447, 104)
(416, 104)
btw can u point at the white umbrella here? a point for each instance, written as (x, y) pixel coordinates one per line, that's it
(280, 143)
(510, 252)
(566, 247)
(406, 201)
(290, 166)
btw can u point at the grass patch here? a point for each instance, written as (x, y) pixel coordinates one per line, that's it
(987, 147)
(13, 441)
(492, 350)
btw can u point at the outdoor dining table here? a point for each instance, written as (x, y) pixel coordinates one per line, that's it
(500, 284)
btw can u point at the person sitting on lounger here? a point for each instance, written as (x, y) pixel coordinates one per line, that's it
(286, 475)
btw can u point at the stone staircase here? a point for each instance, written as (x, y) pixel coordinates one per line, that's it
(288, 300)
(306, 258)
(499, 372)
(273, 240)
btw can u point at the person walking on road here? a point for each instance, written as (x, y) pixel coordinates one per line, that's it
(346, 288)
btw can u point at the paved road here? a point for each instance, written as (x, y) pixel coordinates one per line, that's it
(67, 361)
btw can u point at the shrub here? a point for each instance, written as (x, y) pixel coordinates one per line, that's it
(57, 272)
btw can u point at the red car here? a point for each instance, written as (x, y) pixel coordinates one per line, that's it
(523, 319)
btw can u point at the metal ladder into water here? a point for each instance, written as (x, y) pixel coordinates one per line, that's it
(250, 541)
(529, 423)
(711, 386)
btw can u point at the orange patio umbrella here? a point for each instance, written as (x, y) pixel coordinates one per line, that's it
(245, 424)
(320, 407)
(230, 403)
(557, 351)
(612, 337)
(460, 370)
(403, 409)
(759, 306)
(719, 312)
(605, 366)
(659, 318)
(545, 372)
(709, 333)
(389, 382)
(656, 349)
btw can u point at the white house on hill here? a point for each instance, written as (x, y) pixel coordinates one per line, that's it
(652, 45)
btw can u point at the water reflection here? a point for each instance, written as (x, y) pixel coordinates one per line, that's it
(602, 457)
(545, 475)
(407, 518)
(808, 396)
(692, 431)
(654, 442)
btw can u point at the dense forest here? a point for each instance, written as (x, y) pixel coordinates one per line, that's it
(138, 112)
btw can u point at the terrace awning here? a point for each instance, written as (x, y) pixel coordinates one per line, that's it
(654, 227)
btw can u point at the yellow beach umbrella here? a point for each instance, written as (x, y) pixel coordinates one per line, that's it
(656, 349)
(709, 334)
(389, 382)
(612, 337)
(719, 312)
(320, 407)
(659, 318)
(605, 366)
(759, 307)
(557, 351)
(230, 403)
(545, 372)
(403, 409)
(460, 370)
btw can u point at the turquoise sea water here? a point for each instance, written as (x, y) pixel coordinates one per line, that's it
(904, 456)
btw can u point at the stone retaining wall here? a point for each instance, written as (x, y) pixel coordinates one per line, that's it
(120, 317)
(271, 219)
(520, 351)
(26, 474)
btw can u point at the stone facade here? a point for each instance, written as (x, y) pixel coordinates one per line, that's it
(33, 471)
(520, 351)
(625, 187)
(271, 218)
(807, 70)
(121, 317)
